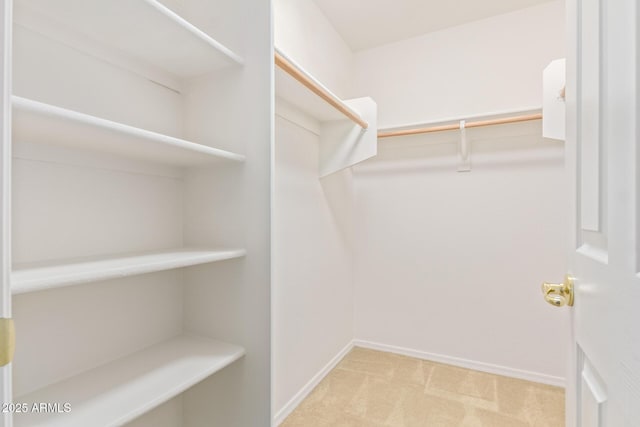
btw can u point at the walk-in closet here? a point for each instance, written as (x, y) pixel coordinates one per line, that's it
(319, 213)
(460, 270)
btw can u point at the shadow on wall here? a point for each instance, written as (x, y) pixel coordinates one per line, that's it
(338, 191)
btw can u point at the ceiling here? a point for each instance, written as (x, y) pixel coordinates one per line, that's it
(368, 23)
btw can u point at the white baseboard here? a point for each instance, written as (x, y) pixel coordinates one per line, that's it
(304, 392)
(464, 363)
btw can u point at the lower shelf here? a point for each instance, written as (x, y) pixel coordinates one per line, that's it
(31, 278)
(120, 391)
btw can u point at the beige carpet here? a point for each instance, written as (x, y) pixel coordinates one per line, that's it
(373, 389)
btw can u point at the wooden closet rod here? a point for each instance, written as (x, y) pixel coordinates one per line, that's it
(308, 82)
(456, 126)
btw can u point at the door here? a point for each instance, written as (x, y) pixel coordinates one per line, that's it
(603, 387)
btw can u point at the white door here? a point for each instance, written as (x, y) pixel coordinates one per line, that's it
(603, 386)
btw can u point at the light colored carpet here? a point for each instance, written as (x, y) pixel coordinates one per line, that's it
(373, 389)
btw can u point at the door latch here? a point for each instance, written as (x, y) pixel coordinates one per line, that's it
(559, 294)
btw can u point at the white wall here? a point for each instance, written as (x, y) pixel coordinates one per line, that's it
(312, 293)
(305, 35)
(312, 258)
(449, 264)
(490, 65)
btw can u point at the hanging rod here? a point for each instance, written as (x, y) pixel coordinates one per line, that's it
(310, 83)
(456, 126)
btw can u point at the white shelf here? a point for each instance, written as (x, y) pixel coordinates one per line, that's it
(295, 93)
(347, 128)
(343, 143)
(120, 391)
(36, 277)
(35, 121)
(144, 29)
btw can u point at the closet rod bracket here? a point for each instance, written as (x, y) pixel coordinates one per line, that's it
(464, 155)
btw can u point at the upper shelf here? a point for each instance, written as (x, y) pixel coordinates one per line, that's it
(43, 123)
(144, 29)
(347, 129)
(301, 89)
(120, 391)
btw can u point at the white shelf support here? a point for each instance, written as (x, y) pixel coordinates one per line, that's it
(344, 143)
(553, 104)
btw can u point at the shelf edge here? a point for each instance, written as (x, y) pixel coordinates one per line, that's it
(32, 106)
(232, 353)
(170, 14)
(113, 272)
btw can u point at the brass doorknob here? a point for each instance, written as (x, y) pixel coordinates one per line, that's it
(559, 294)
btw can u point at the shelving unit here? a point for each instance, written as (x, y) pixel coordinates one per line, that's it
(135, 174)
(31, 278)
(347, 128)
(124, 389)
(35, 121)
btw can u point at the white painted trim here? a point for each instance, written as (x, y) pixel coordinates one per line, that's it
(6, 68)
(464, 363)
(283, 413)
(6, 148)
(287, 111)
